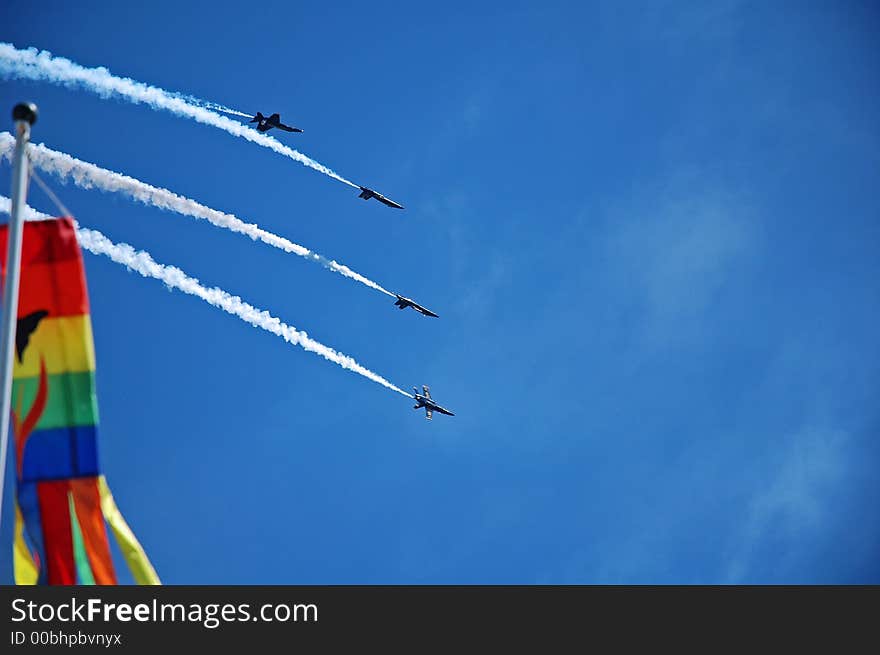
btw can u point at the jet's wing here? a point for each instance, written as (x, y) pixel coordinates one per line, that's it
(426, 391)
(387, 201)
(429, 414)
(426, 312)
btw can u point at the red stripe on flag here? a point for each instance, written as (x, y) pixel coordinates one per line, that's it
(57, 531)
(52, 273)
(44, 242)
(58, 288)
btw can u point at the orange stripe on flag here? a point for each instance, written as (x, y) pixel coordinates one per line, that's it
(87, 501)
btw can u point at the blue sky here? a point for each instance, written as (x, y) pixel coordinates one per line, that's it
(651, 232)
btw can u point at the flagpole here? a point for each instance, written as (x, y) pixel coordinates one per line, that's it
(24, 116)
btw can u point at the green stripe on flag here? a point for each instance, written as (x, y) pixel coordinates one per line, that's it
(83, 568)
(71, 402)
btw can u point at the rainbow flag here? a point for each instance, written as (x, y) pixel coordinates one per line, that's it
(62, 499)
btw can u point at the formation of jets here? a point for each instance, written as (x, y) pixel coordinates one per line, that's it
(422, 399)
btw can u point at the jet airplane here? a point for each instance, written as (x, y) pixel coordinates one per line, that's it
(265, 124)
(366, 194)
(426, 402)
(403, 303)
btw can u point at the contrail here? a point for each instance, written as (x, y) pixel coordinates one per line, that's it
(88, 175)
(213, 106)
(207, 104)
(32, 64)
(141, 262)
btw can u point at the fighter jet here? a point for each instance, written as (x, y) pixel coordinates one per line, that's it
(366, 194)
(429, 405)
(403, 303)
(265, 124)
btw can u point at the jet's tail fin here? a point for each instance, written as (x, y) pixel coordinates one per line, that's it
(256, 118)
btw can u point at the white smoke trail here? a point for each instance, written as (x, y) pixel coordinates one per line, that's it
(207, 104)
(88, 175)
(213, 106)
(30, 214)
(141, 262)
(31, 64)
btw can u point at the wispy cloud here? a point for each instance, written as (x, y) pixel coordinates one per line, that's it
(793, 503)
(675, 253)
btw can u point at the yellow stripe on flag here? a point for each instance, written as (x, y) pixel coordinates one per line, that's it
(135, 557)
(26, 572)
(64, 343)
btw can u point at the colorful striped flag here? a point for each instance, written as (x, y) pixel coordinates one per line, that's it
(62, 500)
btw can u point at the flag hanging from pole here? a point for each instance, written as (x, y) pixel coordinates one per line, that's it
(61, 497)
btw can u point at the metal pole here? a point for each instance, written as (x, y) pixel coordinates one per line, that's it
(24, 116)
